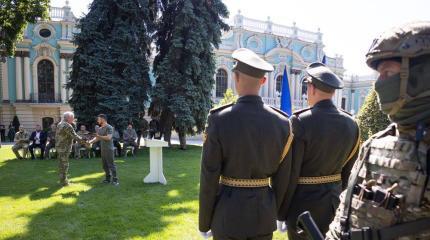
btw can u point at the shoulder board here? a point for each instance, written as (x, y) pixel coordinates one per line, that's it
(280, 111)
(217, 109)
(349, 114)
(298, 112)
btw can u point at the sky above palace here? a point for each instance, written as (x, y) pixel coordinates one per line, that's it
(348, 27)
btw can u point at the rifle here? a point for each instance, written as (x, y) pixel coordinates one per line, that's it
(307, 226)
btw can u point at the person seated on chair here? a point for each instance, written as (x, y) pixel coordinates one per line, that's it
(37, 140)
(21, 142)
(85, 135)
(129, 136)
(50, 144)
(116, 139)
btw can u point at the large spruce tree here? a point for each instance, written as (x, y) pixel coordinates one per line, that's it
(110, 66)
(184, 67)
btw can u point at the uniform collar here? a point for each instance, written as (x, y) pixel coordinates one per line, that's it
(250, 99)
(325, 104)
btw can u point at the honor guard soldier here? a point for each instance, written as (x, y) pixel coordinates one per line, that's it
(388, 193)
(324, 149)
(246, 160)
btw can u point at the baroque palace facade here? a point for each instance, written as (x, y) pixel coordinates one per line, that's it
(32, 82)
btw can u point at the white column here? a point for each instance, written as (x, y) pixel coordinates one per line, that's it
(63, 31)
(18, 77)
(69, 29)
(5, 81)
(63, 79)
(27, 77)
(266, 87)
(69, 91)
(272, 85)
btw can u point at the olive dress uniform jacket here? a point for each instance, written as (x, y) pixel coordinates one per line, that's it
(326, 140)
(246, 140)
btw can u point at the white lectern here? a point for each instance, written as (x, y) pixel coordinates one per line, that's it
(155, 161)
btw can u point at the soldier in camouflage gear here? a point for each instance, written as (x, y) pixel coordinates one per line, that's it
(64, 139)
(388, 194)
(51, 139)
(21, 142)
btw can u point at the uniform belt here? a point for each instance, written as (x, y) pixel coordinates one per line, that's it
(320, 180)
(245, 183)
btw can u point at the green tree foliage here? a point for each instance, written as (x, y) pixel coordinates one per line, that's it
(110, 67)
(370, 118)
(187, 33)
(14, 17)
(229, 97)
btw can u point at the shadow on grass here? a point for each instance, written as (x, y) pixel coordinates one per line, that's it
(91, 210)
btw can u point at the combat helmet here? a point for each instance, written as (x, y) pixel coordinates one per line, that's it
(405, 43)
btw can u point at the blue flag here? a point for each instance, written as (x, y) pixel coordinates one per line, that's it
(324, 60)
(285, 94)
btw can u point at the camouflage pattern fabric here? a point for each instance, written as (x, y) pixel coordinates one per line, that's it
(21, 139)
(64, 137)
(396, 167)
(63, 167)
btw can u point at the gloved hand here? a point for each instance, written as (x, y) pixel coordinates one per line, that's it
(207, 234)
(282, 226)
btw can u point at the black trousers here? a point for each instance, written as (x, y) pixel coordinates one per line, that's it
(33, 146)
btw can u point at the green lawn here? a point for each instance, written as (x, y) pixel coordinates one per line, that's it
(34, 206)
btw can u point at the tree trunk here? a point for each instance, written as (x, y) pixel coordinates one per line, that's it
(182, 140)
(166, 123)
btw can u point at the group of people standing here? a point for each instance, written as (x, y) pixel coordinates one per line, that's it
(260, 165)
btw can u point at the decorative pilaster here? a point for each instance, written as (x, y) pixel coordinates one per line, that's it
(63, 80)
(27, 88)
(4, 81)
(18, 77)
(69, 91)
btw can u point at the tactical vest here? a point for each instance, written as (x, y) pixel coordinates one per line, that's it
(388, 193)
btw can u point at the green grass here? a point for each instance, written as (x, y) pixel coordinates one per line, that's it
(34, 206)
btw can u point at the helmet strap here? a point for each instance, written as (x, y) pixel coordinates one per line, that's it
(403, 96)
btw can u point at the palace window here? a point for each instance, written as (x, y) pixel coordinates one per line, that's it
(45, 76)
(45, 33)
(279, 83)
(220, 83)
(304, 88)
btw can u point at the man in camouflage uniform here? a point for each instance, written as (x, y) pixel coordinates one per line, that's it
(64, 139)
(85, 135)
(51, 139)
(21, 142)
(388, 194)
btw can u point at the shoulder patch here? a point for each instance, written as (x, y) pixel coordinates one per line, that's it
(217, 109)
(280, 111)
(298, 112)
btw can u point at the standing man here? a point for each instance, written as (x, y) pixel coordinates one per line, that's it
(64, 140)
(37, 140)
(104, 135)
(142, 128)
(388, 193)
(246, 160)
(325, 146)
(21, 142)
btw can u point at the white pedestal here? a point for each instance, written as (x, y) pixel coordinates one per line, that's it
(155, 161)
